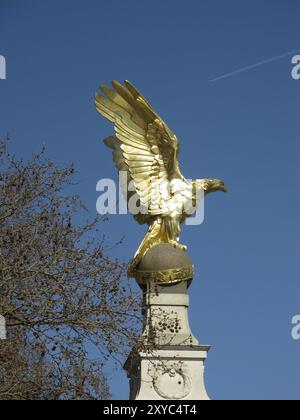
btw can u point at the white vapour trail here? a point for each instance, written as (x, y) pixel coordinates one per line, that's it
(252, 66)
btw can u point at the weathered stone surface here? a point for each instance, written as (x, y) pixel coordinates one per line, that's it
(171, 364)
(164, 257)
(164, 264)
(166, 316)
(169, 373)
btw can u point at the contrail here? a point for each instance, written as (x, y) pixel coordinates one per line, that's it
(253, 66)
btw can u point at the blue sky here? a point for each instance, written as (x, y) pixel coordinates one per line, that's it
(243, 129)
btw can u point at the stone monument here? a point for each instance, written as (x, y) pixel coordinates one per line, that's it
(169, 364)
(169, 361)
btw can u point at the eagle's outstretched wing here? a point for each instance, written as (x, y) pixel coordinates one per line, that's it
(148, 147)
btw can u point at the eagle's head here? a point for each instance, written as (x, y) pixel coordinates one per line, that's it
(211, 185)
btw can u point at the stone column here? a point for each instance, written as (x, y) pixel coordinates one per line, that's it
(169, 363)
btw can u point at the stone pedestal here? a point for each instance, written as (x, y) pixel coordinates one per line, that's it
(169, 362)
(168, 373)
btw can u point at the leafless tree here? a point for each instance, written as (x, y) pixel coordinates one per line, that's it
(68, 306)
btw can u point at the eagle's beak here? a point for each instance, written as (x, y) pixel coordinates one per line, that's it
(223, 187)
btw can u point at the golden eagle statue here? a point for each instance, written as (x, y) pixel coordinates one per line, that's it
(145, 147)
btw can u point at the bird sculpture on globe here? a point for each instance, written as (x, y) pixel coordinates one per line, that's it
(146, 150)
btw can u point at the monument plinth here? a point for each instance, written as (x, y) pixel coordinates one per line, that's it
(169, 363)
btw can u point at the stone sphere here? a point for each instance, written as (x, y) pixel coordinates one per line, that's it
(165, 263)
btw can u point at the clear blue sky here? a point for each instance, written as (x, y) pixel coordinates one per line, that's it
(244, 129)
